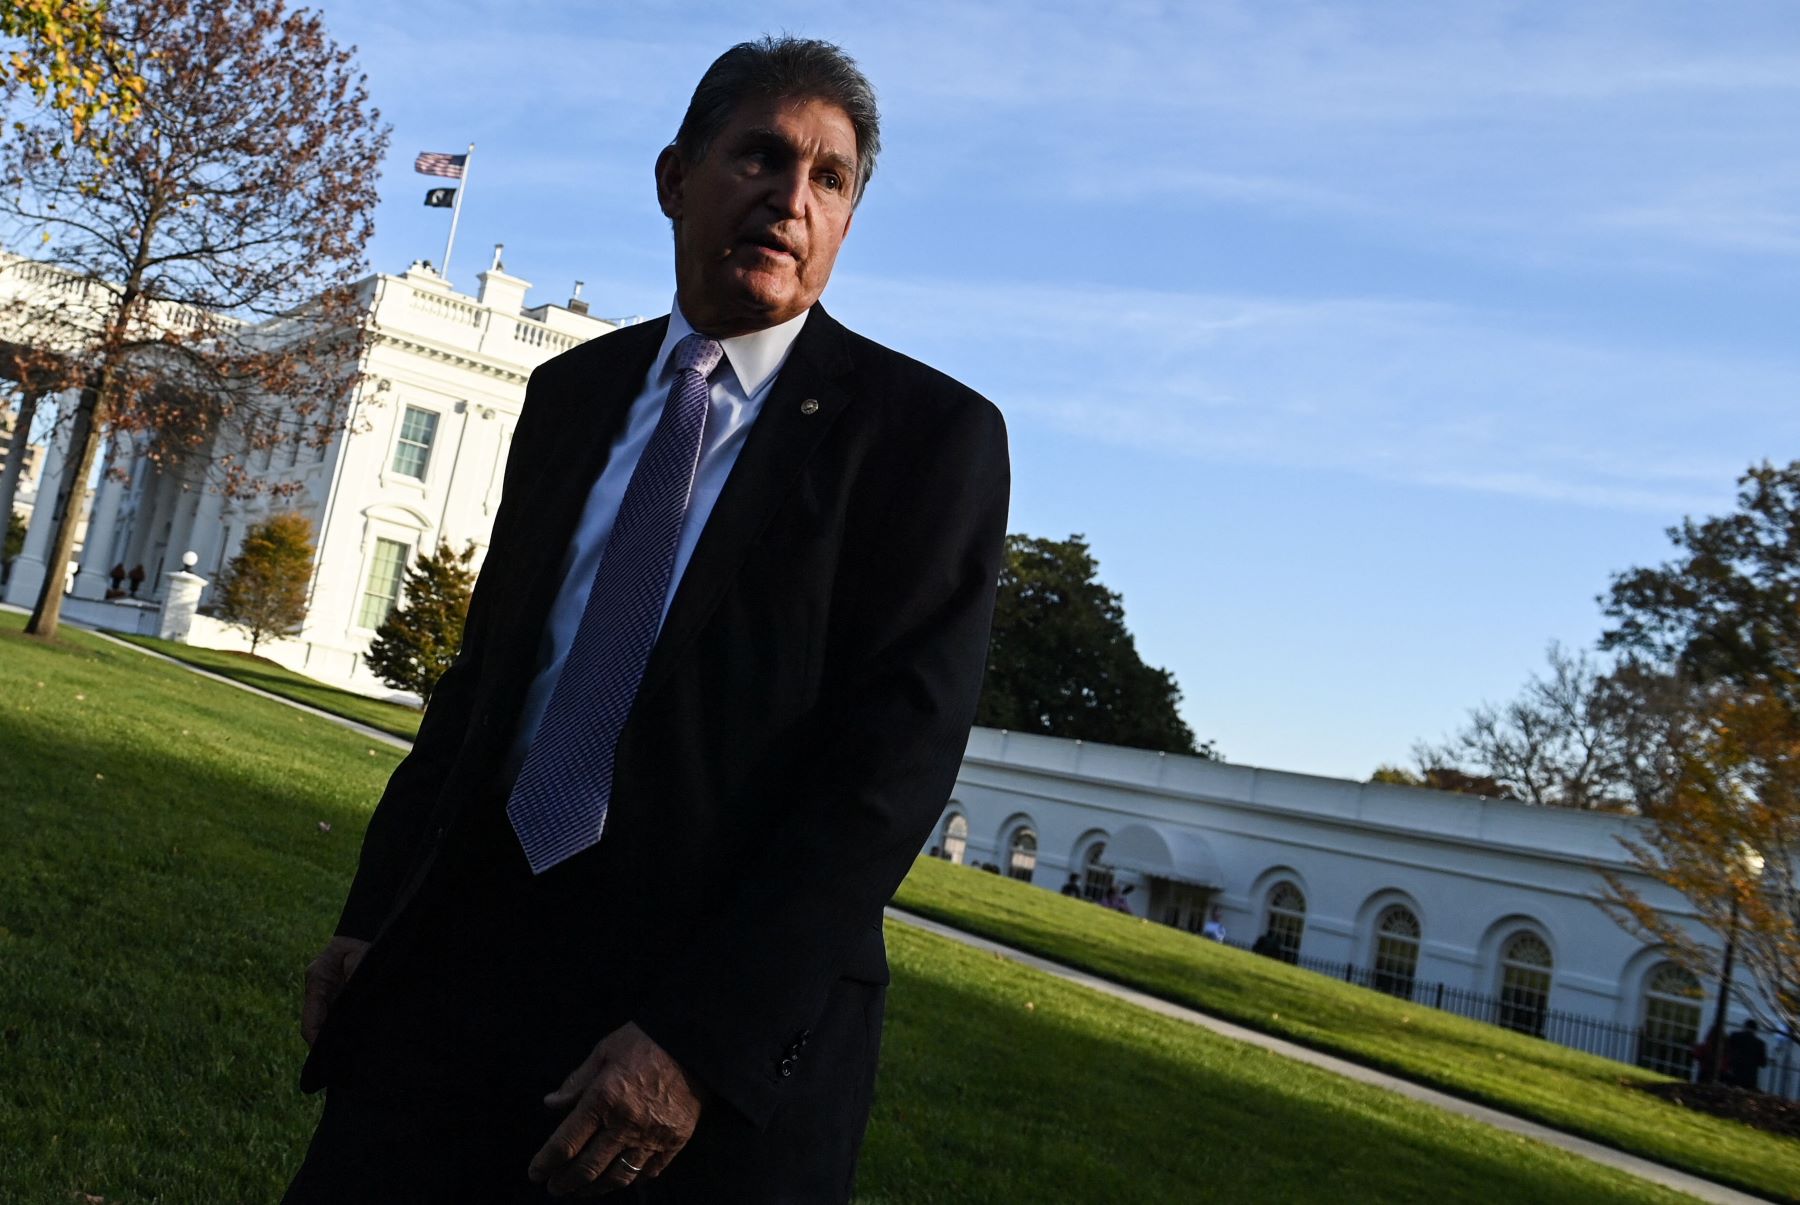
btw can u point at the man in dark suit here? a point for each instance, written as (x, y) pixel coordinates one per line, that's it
(715, 685)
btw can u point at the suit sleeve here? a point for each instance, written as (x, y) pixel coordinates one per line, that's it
(397, 832)
(904, 665)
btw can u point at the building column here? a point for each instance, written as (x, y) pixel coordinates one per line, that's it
(28, 570)
(207, 530)
(145, 481)
(181, 529)
(148, 533)
(93, 578)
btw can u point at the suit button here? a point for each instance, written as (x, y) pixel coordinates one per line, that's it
(810, 406)
(787, 1067)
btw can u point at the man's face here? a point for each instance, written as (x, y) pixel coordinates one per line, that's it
(759, 219)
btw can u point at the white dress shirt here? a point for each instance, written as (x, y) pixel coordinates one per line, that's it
(743, 379)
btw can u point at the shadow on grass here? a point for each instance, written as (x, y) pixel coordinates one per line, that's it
(1084, 1099)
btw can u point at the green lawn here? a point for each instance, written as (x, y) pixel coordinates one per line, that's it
(166, 880)
(1522, 1075)
(266, 675)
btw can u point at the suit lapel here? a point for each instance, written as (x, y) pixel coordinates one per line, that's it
(795, 417)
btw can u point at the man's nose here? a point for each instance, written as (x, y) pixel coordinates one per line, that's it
(788, 193)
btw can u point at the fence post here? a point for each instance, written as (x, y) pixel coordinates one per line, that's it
(1440, 995)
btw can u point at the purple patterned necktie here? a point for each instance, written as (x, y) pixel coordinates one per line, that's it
(558, 802)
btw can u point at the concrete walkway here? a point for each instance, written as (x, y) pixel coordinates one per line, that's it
(1680, 1181)
(1656, 1173)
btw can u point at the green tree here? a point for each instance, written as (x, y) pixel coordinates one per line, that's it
(15, 537)
(263, 590)
(1719, 627)
(1727, 608)
(1062, 663)
(419, 639)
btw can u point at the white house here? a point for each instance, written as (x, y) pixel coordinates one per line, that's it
(420, 460)
(1397, 887)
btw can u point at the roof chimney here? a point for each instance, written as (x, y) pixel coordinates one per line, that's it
(576, 304)
(500, 291)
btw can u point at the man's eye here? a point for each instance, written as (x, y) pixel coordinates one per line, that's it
(832, 180)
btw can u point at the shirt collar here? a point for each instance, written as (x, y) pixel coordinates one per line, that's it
(754, 358)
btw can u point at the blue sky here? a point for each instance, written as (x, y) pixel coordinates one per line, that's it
(1364, 341)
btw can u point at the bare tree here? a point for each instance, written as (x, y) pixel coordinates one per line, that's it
(1561, 743)
(195, 282)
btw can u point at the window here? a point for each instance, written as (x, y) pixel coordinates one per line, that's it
(1396, 951)
(1524, 983)
(1671, 1020)
(383, 588)
(1096, 876)
(1022, 856)
(1287, 921)
(412, 453)
(956, 838)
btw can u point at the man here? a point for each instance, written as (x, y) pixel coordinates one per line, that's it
(616, 924)
(1745, 1057)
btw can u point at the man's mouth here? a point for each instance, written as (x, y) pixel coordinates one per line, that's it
(772, 243)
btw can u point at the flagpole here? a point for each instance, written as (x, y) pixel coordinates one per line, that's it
(456, 209)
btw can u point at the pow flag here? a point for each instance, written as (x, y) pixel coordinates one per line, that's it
(436, 163)
(440, 198)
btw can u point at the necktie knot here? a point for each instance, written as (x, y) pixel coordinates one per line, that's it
(699, 354)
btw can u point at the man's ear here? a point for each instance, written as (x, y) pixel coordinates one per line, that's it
(669, 180)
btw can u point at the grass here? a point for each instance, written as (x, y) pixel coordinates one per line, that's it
(167, 879)
(393, 718)
(1525, 1076)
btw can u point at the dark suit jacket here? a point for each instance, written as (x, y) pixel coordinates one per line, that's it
(802, 717)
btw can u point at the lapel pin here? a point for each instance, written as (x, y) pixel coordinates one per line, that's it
(810, 406)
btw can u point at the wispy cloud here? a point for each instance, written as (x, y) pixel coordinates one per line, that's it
(1426, 393)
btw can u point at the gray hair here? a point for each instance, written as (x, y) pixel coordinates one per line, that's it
(785, 68)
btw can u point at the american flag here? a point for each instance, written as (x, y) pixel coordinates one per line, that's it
(436, 163)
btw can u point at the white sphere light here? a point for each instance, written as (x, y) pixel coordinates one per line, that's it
(189, 559)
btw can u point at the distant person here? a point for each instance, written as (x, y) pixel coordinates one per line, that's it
(1745, 1057)
(1702, 1054)
(1073, 886)
(1266, 945)
(1214, 928)
(1114, 899)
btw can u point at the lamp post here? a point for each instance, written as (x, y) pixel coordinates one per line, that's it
(1752, 863)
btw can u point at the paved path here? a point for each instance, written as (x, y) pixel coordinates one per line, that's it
(1704, 1190)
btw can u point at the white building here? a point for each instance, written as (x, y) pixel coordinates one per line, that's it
(1395, 887)
(421, 460)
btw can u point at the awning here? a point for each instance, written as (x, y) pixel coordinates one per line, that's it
(1164, 852)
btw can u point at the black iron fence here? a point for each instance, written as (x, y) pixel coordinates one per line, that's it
(1671, 1054)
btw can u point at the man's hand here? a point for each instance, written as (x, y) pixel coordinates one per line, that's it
(631, 1102)
(325, 978)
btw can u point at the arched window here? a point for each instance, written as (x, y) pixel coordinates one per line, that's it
(1672, 1005)
(1287, 921)
(1396, 951)
(1022, 853)
(1524, 982)
(956, 837)
(1096, 876)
